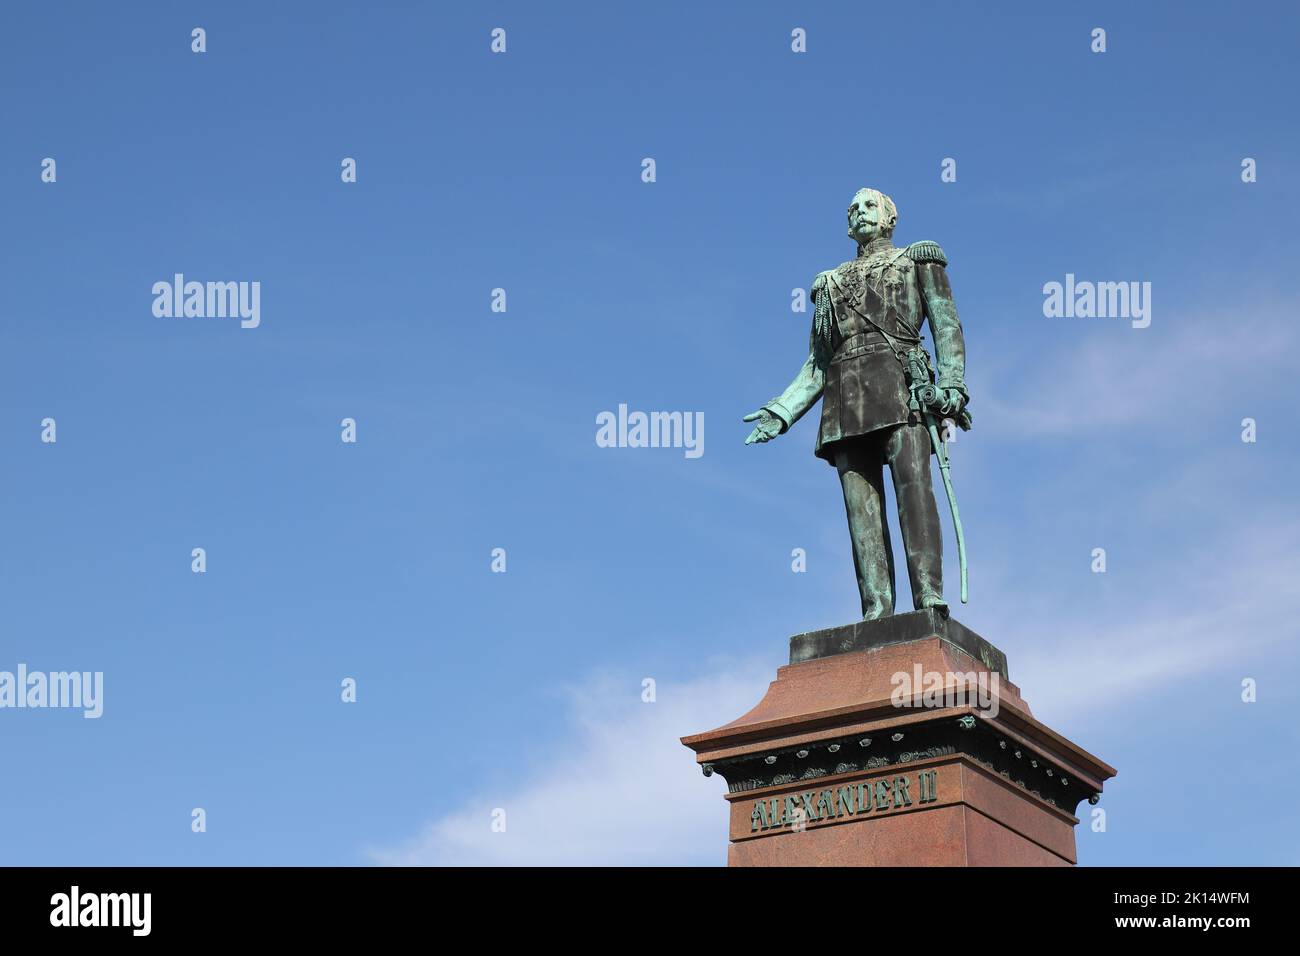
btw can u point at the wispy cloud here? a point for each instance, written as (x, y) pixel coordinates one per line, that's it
(1123, 376)
(619, 789)
(1203, 610)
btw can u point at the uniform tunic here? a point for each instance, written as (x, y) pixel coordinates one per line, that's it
(857, 372)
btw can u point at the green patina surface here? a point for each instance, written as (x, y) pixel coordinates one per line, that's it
(883, 401)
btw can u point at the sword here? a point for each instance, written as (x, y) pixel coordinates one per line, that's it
(924, 397)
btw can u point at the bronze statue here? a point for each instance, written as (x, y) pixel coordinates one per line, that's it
(882, 399)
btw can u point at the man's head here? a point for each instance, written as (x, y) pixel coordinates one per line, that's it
(872, 214)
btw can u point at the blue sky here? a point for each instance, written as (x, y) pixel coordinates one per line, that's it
(476, 430)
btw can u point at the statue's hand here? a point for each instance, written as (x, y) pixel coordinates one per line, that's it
(768, 427)
(953, 401)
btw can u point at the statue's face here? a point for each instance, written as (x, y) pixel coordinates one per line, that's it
(868, 217)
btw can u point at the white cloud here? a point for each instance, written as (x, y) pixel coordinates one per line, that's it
(1221, 603)
(1182, 366)
(620, 789)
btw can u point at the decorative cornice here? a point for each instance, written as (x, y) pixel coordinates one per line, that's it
(1020, 765)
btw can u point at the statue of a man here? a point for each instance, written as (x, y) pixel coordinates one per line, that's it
(867, 319)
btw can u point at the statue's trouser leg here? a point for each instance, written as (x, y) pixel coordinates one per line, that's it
(907, 450)
(860, 464)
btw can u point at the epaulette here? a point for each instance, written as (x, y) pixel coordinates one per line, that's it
(926, 251)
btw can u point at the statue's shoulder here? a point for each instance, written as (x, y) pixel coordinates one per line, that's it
(819, 281)
(926, 251)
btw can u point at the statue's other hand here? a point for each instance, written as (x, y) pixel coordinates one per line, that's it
(768, 427)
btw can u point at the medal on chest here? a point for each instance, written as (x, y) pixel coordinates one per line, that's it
(871, 272)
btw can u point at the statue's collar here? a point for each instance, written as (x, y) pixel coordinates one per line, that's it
(880, 244)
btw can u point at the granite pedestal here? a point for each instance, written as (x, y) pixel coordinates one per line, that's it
(898, 742)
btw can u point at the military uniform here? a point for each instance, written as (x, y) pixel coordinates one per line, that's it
(868, 315)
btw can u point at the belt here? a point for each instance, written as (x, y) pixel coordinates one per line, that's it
(862, 343)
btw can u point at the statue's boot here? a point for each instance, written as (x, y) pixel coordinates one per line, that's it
(874, 610)
(925, 571)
